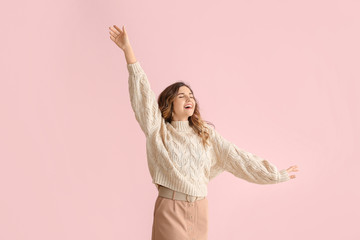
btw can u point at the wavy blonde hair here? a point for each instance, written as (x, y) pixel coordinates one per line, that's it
(166, 100)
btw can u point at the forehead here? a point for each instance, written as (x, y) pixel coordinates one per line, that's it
(185, 90)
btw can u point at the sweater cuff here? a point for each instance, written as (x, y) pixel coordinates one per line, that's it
(283, 176)
(134, 68)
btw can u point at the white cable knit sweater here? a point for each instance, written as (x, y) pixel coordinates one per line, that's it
(175, 155)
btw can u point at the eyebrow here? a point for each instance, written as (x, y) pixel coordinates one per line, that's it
(183, 93)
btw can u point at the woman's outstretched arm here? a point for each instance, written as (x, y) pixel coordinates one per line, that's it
(245, 165)
(143, 99)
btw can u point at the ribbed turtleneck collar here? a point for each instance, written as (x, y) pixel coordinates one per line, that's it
(181, 126)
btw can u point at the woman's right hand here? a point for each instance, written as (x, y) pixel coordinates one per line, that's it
(119, 37)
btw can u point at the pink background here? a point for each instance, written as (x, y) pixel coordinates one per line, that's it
(279, 79)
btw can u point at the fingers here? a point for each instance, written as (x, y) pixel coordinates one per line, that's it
(113, 34)
(293, 169)
(114, 31)
(117, 29)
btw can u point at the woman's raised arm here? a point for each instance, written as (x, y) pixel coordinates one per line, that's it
(142, 98)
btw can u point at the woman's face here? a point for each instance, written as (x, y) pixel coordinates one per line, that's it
(183, 98)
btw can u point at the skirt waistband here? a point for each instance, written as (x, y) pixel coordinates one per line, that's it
(175, 195)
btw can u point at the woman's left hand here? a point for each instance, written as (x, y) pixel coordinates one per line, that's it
(292, 169)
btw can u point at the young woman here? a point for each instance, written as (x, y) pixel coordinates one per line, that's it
(184, 153)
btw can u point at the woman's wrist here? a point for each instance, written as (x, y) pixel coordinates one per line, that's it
(126, 47)
(129, 54)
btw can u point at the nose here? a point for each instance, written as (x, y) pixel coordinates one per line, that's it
(189, 101)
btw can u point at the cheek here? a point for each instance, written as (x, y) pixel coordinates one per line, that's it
(178, 105)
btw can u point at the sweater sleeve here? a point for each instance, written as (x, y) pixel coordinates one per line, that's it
(243, 164)
(143, 100)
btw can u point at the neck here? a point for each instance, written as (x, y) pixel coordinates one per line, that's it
(182, 126)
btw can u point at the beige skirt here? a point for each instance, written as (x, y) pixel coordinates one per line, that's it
(180, 220)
